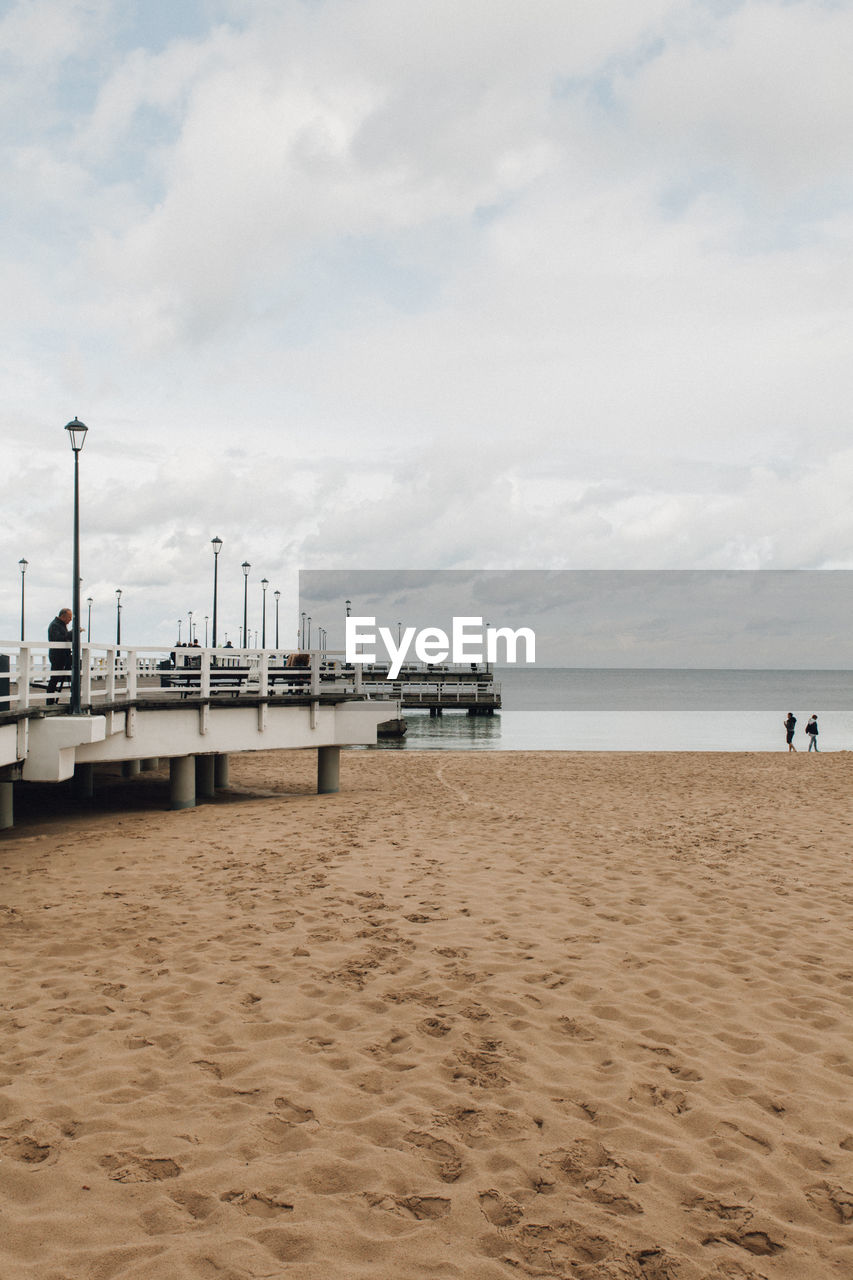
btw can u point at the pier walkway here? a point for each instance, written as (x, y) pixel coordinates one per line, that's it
(191, 706)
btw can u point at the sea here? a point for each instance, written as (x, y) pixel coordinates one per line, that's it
(629, 709)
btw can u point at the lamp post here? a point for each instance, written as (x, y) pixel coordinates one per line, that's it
(348, 604)
(216, 543)
(308, 645)
(89, 602)
(179, 630)
(23, 565)
(245, 567)
(302, 633)
(118, 616)
(205, 631)
(190, 627)
(277, 595)
(77, 435)
(265, 582)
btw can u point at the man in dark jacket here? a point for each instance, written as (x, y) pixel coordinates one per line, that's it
(60, 659)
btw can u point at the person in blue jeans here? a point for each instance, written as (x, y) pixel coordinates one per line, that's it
(811, 732)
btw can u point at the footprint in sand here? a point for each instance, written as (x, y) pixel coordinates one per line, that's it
(126, 1166)
(444, 1153)
(257, 1204)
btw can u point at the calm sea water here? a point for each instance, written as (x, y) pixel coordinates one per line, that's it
(642, 710)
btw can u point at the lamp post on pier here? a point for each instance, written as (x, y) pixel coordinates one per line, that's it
(190, 627)
(265, 582)
(118, 616)
(23, 567)
(179, 630)
(89, 602)
(348, 604)
(277, 595)
(245, 567)
(205, 631)
(77, 436)
(216, 543)
(302, 633)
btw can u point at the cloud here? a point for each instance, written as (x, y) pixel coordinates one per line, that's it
(459, 285)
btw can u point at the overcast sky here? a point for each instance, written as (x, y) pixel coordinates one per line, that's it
(375, 284)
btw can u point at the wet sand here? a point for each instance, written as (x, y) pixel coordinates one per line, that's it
(478, 1016)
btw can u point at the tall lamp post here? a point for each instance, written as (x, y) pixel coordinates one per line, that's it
(216, 543)
(205, 631)
(265, 582)
(308, 645)
(77, 435)
(302, 634)
(118, 616)
(245, 566)
(23, 566)
(89, 602)
(277, 595)
(190, 626)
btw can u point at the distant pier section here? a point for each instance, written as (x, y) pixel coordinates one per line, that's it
(469, 687)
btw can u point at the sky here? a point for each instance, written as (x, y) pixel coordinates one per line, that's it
(360, 284)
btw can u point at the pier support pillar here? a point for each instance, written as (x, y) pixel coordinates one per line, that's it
(205, 771)
(7, 797)
(83, 781)
(148, 766)
(220, 771)
(328, 770)
(130, 768)
(182, 782)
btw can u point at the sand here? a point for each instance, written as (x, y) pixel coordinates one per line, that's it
(479, 1015)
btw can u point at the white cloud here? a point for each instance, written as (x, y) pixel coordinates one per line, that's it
(479, 284)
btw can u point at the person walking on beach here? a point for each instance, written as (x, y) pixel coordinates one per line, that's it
(811, 732)
(60, 659)
(790, 725)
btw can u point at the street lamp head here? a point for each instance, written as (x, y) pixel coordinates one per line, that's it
(245, 566)
(118, 593)
(216, 543)
(265, 582)
(90, 601)
(23, 563)
(277, 595)
(76, 434)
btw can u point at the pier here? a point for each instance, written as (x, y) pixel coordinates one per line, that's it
(192, 706)
(470, 688)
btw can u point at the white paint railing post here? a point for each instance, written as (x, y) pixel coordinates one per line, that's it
(24, 672)
(359, 677)
(205, 673)
(132, 675)
(85, 675)
(112, 659)
(263, 674)
(315, 673)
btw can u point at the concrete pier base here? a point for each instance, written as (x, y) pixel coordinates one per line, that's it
(148, 766)
(182, 782)
(130, 768)
(221, 771)
(205, 773)
(83, 781)
(328, 770)
(7, 805)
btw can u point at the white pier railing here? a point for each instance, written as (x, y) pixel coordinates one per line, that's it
(113, 674)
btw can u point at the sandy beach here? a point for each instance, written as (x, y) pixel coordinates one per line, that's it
(478, 1016)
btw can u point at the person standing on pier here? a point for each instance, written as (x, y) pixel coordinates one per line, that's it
(60, 659)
